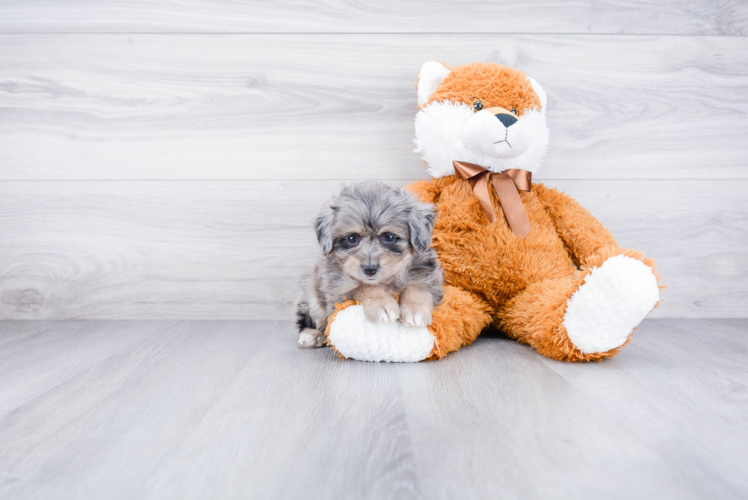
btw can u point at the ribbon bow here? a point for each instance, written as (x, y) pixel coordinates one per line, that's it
(507, 185)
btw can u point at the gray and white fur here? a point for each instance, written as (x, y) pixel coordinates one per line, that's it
(375, 241)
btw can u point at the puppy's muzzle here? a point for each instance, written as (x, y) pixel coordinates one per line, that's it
(370, 269)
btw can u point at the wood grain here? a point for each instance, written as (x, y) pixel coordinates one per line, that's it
(69, 348)
(545, 438)
(686, 400)
(88, 410)
(234, 250)
(261, 414)
(342, 106)
(298, 424)
(225, 409)
(701, 17)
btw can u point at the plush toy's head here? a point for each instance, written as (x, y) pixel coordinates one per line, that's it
(480, 113)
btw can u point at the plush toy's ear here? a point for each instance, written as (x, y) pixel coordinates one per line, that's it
(431, 75)
(541, 93)
(323, 226)
(421, 225)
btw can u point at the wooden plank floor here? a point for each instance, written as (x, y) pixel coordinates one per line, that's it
(232, 409)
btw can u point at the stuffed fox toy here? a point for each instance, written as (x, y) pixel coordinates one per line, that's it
(517, 255)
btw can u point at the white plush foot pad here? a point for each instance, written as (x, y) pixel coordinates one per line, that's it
(356, 337)
(611, 302)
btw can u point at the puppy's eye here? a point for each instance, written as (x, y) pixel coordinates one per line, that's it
(389, 238)
(514, 110)
(352, 239)
(477, 105)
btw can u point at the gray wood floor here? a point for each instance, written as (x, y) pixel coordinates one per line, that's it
(213, 409)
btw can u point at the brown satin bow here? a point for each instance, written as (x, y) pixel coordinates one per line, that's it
(506, 184)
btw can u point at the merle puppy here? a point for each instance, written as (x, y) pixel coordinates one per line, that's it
(375, 241)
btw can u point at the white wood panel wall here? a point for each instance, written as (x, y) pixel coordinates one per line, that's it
(683, 17)
(165, 160)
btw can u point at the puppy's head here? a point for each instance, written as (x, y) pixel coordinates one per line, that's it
(374, 230)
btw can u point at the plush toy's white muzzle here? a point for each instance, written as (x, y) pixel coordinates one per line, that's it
(486, 133)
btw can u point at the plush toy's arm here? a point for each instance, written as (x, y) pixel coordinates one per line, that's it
(428, 191)
(583, 234)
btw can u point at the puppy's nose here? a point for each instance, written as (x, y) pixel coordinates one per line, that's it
(370, 269)
(506, 120)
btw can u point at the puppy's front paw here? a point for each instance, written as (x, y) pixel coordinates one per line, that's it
(382, 309)
(413, 313)
(309, 338)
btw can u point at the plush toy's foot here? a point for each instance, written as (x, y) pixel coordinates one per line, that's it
(586, 317)
(456, 322)
(354, 336)
(309, 337)
(613, 300)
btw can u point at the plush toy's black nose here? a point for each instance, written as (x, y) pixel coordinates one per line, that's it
(370, 269)
(507, 120)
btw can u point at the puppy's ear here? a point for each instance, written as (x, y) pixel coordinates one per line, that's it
(421, 225)
(323, 226)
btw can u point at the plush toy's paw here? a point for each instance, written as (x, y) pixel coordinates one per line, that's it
(354, 336)
(382, 309)
(309, 337)
(611, 302)
(414, 313)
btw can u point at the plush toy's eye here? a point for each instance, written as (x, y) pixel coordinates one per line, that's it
(514, 110)
(477, 105)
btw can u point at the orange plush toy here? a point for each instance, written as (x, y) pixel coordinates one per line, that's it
(516, 254)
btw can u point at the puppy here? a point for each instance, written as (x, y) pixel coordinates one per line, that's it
(375, 241)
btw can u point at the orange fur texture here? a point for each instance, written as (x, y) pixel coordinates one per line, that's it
(522, 284)
(496, 86)
(492, 276)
